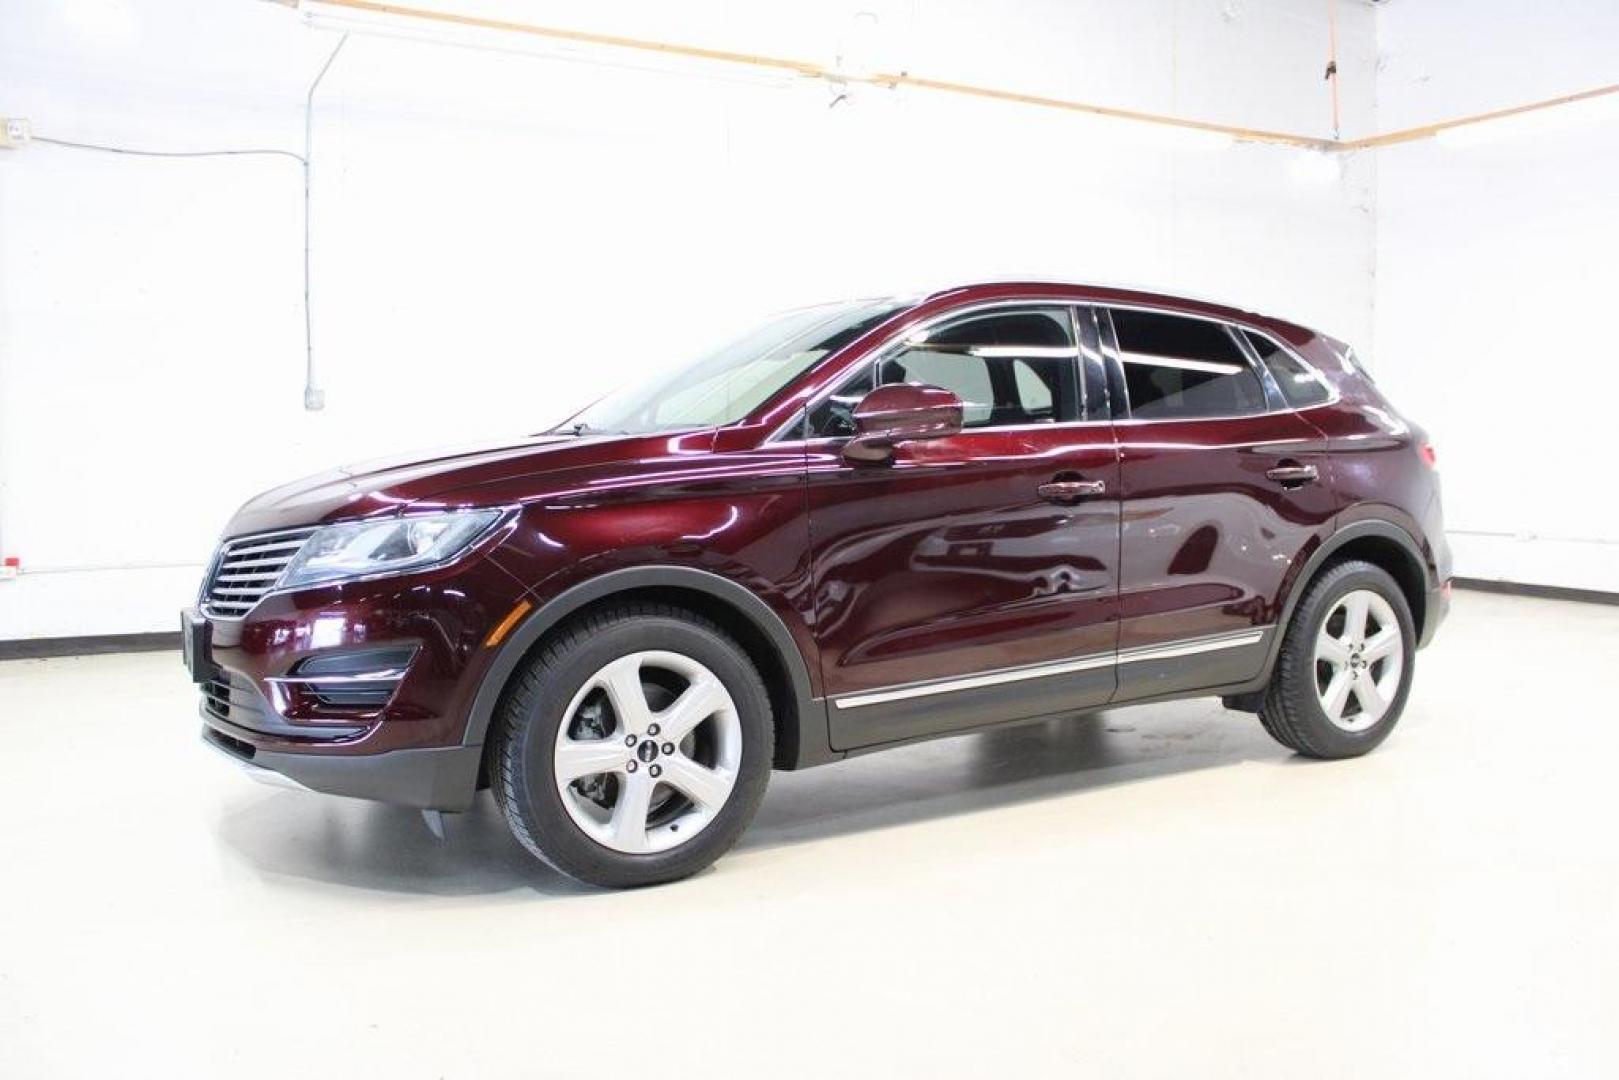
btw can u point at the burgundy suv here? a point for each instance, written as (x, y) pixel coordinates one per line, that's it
(861, 525)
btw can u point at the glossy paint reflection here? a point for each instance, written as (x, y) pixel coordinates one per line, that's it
(945, 561)
(1208, 539)
(949, 561)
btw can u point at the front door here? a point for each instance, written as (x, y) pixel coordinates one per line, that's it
(974, 578)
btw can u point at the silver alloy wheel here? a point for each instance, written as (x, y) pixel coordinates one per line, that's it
(1358, 659)
(648, 752)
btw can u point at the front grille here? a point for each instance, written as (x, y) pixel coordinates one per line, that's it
(246, 568)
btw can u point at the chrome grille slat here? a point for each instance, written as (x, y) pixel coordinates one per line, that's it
(271, 547)
(250, 563)
(247, 567)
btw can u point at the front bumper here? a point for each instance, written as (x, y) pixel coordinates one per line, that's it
(434, 778)
(262, 709)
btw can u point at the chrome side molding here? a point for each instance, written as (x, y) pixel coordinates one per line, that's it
(1169, 651)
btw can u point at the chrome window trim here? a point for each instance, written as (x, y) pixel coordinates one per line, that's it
(898, 337)
(822, 440)
(1108, 345)
(1110, 349)
(1166, 651)
(1267, 378)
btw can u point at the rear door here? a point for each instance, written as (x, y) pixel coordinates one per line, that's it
(973, 579)
(1225, 493)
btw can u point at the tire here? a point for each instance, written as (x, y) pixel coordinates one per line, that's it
(1337, 692)
(1275, 731)
(618, 823)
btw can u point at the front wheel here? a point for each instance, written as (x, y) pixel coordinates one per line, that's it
(1342, 677)
(634, 747)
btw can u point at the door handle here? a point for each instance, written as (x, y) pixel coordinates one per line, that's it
(1294, 475)
(1070, 491)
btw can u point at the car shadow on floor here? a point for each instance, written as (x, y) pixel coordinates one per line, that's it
(299, 836)
(1004, 767)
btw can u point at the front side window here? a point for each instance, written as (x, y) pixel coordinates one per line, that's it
(1177, 368)
(1008, 367)
(1300, 386)
(729, 383)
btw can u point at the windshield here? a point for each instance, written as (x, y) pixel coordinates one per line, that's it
(729, 383)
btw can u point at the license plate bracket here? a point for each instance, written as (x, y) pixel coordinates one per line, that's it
(196, 646)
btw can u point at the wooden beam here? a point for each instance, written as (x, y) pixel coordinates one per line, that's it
(1241, 134)
(1426, 131)
(815, 71)
(810, 70)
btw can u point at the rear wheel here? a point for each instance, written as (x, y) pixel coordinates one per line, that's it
(634, 748)
(1345, 667)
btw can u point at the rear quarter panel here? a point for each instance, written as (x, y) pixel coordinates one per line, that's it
(1377, 467)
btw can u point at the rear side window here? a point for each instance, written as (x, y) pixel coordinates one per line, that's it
(1300, 385)
(1008, 367)
(1180, 369)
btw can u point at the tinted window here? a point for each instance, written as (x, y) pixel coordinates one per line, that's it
(1299, 385)
(1008, 367)
(1177, 368)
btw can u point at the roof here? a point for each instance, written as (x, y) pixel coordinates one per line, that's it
(1013, 288)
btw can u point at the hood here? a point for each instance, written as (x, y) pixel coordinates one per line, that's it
(441, 478)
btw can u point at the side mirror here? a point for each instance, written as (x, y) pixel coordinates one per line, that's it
(902, 412)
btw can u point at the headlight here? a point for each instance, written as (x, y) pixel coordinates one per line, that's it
(364, 548)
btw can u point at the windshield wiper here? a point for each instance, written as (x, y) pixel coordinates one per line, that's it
(582, 428)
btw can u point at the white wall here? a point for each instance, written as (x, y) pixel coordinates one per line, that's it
(498, 237)
(1496, 281)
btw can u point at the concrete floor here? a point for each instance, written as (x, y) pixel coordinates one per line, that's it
(1158, 891)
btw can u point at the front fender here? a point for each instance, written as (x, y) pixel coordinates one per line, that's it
(804, 740)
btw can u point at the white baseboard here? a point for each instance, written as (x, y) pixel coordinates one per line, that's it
(1530, 560)
(81, 603)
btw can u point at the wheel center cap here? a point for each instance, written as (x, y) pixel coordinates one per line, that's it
(647, 751)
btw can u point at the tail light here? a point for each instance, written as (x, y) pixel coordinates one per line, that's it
(1429, 458)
